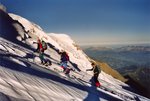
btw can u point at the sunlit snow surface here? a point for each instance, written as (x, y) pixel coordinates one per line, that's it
(23, 78)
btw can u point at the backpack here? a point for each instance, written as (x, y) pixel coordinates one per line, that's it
(64, 57)
(44, 45)
(67, 57)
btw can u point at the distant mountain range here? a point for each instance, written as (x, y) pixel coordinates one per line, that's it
(144, 48)
(95, 48)
(121, 57)
(135, 48)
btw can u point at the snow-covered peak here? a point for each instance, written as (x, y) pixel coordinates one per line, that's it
(33, 30)
(60, 41)
(24, 78)
(63, 42)
(22, 20)
(71, 48)
(27, 24)
(63, 37)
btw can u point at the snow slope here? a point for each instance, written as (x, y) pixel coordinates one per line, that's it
(26, 80)
(23, 78)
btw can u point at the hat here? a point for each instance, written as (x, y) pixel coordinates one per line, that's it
(93, 64)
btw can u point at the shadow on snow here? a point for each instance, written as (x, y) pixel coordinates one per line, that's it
(33, 69)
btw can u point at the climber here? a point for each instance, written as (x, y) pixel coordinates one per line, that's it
(64, 59)
(96, 71)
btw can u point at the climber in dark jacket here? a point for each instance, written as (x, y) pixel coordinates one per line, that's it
(64, 59)
(96, 71)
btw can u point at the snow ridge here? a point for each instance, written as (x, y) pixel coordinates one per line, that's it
(24, 78)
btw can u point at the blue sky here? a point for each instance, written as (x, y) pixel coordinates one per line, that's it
(89, 21)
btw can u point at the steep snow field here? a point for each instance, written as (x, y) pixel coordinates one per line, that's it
(23, 78)
(63, 42)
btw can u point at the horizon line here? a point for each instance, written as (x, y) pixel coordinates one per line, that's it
(124, 43)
